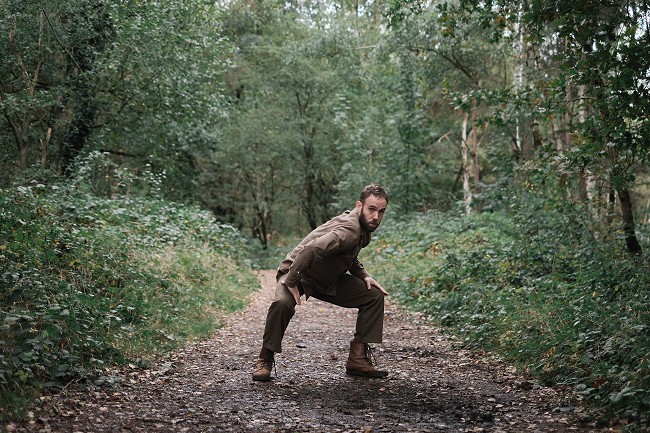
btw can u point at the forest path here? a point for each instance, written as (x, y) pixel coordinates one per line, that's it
(207, 387)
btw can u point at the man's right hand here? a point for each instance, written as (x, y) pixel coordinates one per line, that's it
(294, 291)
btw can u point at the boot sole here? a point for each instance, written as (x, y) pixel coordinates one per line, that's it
(374, 375)
(262, 379)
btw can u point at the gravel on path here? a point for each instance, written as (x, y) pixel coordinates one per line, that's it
(433, 386)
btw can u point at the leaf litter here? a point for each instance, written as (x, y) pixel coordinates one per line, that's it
(433, 385)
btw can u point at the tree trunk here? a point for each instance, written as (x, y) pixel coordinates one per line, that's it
(309, 204)
(464, 151)
(631, 240)
(81, 127)
(519, 73)
(23, 151)
(583, 192)
(475, 167)
(44, 144)
(611, 205)
(260, 228)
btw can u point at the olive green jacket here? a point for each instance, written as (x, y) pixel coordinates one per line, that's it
(328, 252)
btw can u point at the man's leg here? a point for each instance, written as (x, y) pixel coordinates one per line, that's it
(278, 317)
(351, 292)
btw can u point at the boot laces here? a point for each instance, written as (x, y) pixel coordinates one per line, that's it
(275, 372)
(369, 354)
(269, 359)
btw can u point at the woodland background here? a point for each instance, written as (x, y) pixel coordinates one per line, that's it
(148, 143)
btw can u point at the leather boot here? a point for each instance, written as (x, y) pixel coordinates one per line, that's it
(264, 365)
(359, 362)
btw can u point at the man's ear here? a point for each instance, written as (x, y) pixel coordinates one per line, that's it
(358, 205)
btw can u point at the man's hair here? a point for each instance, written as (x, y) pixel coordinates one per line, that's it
(373, 189)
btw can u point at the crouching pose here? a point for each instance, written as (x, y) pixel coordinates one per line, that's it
(325, 265)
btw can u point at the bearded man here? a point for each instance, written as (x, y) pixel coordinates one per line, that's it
(325, 265)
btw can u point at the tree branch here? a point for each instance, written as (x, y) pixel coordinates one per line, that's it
(59, 40)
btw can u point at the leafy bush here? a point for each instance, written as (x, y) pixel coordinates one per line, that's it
(89, 280)
(535, 286)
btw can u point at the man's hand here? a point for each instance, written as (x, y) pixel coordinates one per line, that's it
(371, 282)
(294, 291)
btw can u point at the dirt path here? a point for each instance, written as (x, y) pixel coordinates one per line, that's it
(207, 387)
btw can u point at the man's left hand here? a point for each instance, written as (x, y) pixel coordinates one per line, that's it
(371, 282)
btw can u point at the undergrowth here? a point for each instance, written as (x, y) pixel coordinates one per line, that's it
(536, 286)
(89, 280)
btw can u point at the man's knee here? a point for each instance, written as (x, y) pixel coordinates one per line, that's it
(377, 297)
(285, 304)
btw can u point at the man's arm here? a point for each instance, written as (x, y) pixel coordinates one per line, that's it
(294, 292)
(358, 270)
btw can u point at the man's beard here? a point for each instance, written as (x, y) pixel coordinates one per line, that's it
(364, 223)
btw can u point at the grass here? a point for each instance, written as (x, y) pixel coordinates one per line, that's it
(196, 290)
(90, 281)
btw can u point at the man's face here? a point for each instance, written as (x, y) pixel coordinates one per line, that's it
(371, 212)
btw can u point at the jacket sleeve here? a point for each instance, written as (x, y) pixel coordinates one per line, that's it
(358, 270)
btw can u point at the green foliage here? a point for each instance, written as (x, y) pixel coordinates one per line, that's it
(162, 84)
(89, 280)
(534, 286)
(140, 79)
(291, 103)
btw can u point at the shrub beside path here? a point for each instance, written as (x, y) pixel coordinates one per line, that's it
(207, 387)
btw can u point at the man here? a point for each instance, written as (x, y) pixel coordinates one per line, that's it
(325, 265)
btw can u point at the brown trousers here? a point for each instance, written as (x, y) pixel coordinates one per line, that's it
(351, 292)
